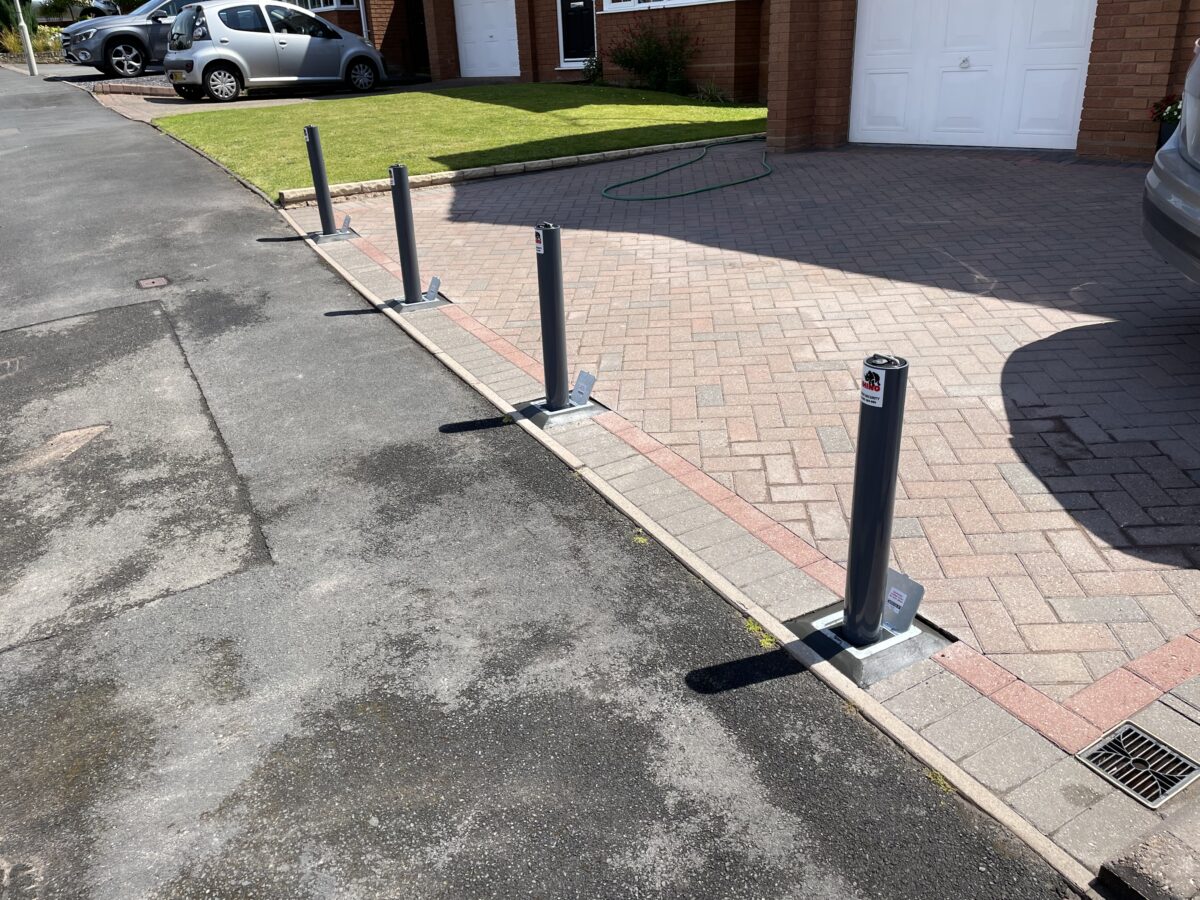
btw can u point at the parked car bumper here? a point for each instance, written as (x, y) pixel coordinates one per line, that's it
(183, 72)
(1171, 209)
(85, 53)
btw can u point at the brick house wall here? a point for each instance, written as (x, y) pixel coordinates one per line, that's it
(346, 19)
(1137, 54)
(727, 43)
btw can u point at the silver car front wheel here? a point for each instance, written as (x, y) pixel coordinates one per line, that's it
(126, 59)
(222, 84)
(362, 75)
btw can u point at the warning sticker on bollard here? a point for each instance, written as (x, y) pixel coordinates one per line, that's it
(537, 241)
(872, 385)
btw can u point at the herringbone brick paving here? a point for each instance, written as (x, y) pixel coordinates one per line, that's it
(1049, 494)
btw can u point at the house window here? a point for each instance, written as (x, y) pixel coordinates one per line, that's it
(627, 5)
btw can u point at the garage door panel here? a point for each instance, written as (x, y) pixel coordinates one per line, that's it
(891, 28)
(885, 104)
(962, 102)
(1059, 23)
(972, 24)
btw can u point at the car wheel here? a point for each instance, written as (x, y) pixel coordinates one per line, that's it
(189, 91)
(361, 75)
(222, 83)
(125, 58)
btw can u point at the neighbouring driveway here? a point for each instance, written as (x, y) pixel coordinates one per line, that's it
(1050, 479)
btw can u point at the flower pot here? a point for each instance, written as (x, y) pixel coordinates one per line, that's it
(1165, 130)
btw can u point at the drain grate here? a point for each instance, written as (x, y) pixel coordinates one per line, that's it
(1140, 764)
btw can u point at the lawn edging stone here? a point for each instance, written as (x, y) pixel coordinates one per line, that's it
(293, 197)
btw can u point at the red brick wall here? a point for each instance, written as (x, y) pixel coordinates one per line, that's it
(387, 24)
(727, 43)
(443, 39)
(346, 19)
(1134, 51)
(811, 59)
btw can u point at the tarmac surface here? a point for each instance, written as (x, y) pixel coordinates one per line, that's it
(287, 611)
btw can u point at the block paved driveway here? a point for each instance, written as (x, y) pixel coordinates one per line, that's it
(1050, 478)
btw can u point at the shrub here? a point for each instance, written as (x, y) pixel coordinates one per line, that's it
(656, 58)
(44, 40)
(8, 16)
(710, 93)
(593, 70)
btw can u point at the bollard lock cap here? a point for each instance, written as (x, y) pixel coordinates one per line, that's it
(884, 361)
(547, 226)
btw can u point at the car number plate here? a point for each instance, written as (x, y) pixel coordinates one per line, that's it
(177, 75)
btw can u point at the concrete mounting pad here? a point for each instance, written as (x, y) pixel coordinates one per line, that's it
(544, 418)
(865, 666)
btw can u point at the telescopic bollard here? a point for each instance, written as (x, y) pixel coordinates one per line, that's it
(554, 315)
(406, 239)
(316, 162)
(406, 235)
(876, 466)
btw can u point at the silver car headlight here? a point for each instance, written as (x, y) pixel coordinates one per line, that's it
(83, 36)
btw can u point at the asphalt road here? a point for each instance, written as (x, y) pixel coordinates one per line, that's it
(271, 629)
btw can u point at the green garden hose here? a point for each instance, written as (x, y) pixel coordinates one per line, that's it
(607, 192)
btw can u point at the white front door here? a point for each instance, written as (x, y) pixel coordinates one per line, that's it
(990, 73)
(487, 38)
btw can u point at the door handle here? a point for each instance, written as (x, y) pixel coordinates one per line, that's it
(578, 4)
(283, 43)
(224, 40)
(965, 63)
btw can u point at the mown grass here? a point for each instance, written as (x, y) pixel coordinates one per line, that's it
(457, 128)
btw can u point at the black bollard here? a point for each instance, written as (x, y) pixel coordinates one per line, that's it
(406, 235)
(876, 467)
(554, 315)
(316, 162)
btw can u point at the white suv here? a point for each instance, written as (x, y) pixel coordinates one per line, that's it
(220, 48)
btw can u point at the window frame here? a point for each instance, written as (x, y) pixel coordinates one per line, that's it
(625, 6)
(320, 6)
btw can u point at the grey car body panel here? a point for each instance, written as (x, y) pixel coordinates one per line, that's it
(285, 59)
(1171, 202)
(149, 33)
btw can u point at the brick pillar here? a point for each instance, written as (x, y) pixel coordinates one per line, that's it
(527, 40)
(443, 39)
(810, 60)
(1134, 50)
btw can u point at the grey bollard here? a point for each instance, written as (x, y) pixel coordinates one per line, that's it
(406, 236)
(554, 315)
(316, 162)
(876, 467)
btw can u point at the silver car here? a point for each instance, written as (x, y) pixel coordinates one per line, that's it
(1171, 202)
(220, 48)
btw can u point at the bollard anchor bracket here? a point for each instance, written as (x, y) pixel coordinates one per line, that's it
(580, 405)
(429, 300)
(342, 234)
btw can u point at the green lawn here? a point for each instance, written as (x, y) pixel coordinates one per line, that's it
(435, 131)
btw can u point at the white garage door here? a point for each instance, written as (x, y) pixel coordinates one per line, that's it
(991, 73)
(487, 38)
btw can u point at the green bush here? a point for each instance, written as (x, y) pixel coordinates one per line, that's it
(8, 16)
(44, 40)
(656, 57)
(593, 70)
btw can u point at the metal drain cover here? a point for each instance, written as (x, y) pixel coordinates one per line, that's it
(1140, 764)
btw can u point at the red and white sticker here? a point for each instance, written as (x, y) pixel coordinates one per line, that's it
(872, 385)
(537, 241)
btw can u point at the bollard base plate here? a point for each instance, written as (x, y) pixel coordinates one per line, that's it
(402, 305)
(546, 419)
(319, 238)
(865, 666)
